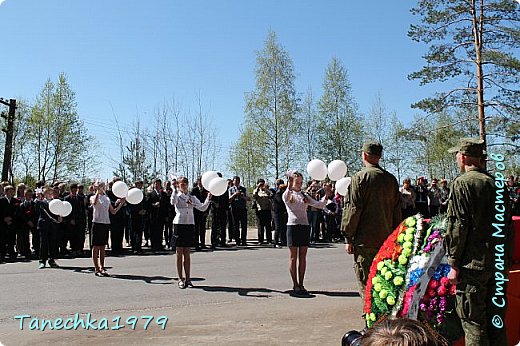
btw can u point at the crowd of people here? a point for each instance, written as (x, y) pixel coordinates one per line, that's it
(174, 217)
(149, 224)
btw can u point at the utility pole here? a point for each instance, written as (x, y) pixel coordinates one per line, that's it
(9, 130)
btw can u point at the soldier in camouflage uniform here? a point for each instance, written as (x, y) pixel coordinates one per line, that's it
(470, 245)
(373, 211)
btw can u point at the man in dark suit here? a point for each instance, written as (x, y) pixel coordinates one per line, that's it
(157, 201)
(219, 208)
(118, 222)
(75, 222)
(8, 206)
(200, 216)
(137, 216)
(27, 218)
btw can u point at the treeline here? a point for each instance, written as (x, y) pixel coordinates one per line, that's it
(285, 128)
(50, 141)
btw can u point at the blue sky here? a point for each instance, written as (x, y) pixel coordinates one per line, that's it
(127, 57)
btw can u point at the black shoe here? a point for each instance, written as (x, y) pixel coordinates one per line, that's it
(53, 264)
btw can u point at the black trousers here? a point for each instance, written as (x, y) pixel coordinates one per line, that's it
(330, 227)
(168, 231)
(200, 229)
(263, 223)
(23, 244)
(77, 242)
(3, 242)
(156, 233)
(117, 232)
(218, 227)
(240, 221)
(136, 232)
(231, 228)
(62, 237)
(11, 241)
(36, 240)
(280, 228)
(49, 242)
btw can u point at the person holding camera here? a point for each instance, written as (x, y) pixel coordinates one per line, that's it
(262, 199)
(298, 233)
(101, 207)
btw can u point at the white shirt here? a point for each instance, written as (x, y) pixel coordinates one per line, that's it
(184, 204)
(101, 209)
(297, 206)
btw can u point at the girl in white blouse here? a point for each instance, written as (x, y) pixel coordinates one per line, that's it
(298, 230)
(184, 227)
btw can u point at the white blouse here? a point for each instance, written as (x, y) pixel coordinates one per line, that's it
(297, 206)
(184, 204)
(101, 209)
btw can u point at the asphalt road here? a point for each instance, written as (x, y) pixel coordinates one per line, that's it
(241, 296)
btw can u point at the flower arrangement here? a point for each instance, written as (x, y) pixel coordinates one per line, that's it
(408, 278)
(434, 302)
(384, 291)
(428, 257)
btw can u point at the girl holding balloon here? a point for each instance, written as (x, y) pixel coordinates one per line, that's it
(100, 225)
(298, 230)
(184, 226)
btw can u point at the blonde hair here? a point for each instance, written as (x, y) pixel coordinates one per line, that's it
(400, 332)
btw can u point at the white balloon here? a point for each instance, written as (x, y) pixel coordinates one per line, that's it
(218, 186)
(56, 206)
(135, 196)
(342, 185)
(66, 209)
(337, 170)
(120, 189)
(317, 169)
(207, 177)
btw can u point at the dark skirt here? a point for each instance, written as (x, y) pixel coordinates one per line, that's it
(100, 234)
(298, 235)
(183, 235)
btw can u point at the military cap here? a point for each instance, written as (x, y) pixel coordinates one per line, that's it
(470, 147)
(373, 148)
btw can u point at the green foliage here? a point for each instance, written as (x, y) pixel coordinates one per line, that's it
(339, 128)
(248, 159)
(472, 45)
(271, 110)
(431, 138)
(56, 134)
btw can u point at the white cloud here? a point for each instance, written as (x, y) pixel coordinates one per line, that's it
(1, 1)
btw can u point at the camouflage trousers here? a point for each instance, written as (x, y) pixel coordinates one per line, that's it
(363, 257)
(481, 319)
